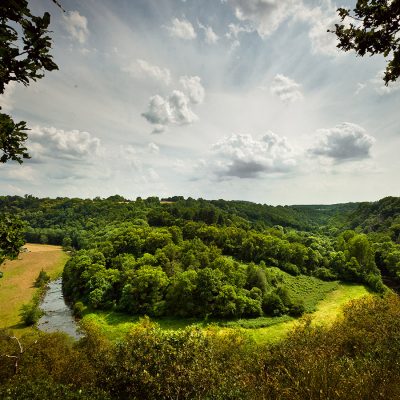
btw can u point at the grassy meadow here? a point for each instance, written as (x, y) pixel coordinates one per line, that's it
(323, 300)
(17, 284)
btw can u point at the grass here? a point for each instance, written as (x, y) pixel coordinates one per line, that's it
(323, 301)
(308, 289)
(17, 285)
(327, 311)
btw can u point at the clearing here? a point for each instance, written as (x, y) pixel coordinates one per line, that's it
(16, 286)
(264, 329)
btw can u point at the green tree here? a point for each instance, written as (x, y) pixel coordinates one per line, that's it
(374, 30)
(11, 236)
(144, 294)
(24, 56)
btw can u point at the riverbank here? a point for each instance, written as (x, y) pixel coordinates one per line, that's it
(17, 284)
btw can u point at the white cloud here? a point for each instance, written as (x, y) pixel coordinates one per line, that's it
(6, 99)
(56, 143)
(158, 111)
(142, 68)
(286, 89)
(235, 29)
(243, 156)
(360, 87)
(173, 110)
(210, 36)
(181, 29)
(176, 108)
(265, 15)
(320, 20)
(181, 113)
(193, 88)
(76, 26)
(344, 142)
(153, 148)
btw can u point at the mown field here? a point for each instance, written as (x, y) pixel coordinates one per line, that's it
(17, 284)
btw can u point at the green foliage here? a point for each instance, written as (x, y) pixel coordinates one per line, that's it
(373, 30)
(42, 280)
(12, 139)
(24, 56)
(11, 236)
(355, 358)
(189, 268)
(78, 309)
(30, 313)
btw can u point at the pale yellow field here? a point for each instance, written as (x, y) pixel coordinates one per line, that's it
(16, 286)
(328, 310)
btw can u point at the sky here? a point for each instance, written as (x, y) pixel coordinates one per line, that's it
(232, 99)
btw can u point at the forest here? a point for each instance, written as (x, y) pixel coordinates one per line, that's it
(221, 260)
(198, 258)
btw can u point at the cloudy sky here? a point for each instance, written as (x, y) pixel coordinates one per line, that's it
(233, 99)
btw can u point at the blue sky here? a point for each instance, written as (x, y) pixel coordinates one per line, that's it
(233, 99)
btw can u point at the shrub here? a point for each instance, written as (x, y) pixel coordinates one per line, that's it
(42, 279)
(79, 309)
(30, 313)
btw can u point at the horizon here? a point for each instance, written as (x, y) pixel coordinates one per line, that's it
(166, 198)
(211, 99)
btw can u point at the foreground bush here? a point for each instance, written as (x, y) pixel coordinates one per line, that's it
(357, 358)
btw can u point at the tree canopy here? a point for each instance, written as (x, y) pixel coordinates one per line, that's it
(374, 29)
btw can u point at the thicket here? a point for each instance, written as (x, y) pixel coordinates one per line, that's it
(356, 358)
(210, 271)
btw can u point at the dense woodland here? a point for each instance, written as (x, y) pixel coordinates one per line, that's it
(199, 258)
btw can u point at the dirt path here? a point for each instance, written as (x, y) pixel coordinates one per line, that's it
(16, 286)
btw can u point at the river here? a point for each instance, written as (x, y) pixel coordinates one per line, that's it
(57, 315)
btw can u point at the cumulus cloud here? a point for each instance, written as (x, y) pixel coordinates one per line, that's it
(50, 142)
(171, 110)
(286, 89)
(76, 26)
(181, 29)
(209, 35)
(176, 108)
(242, 156)
(193, 88)
(142, 68)
(344, 142)
(265, 15)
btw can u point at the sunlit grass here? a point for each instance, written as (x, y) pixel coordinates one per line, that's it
(264, 329)
(17, 284)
